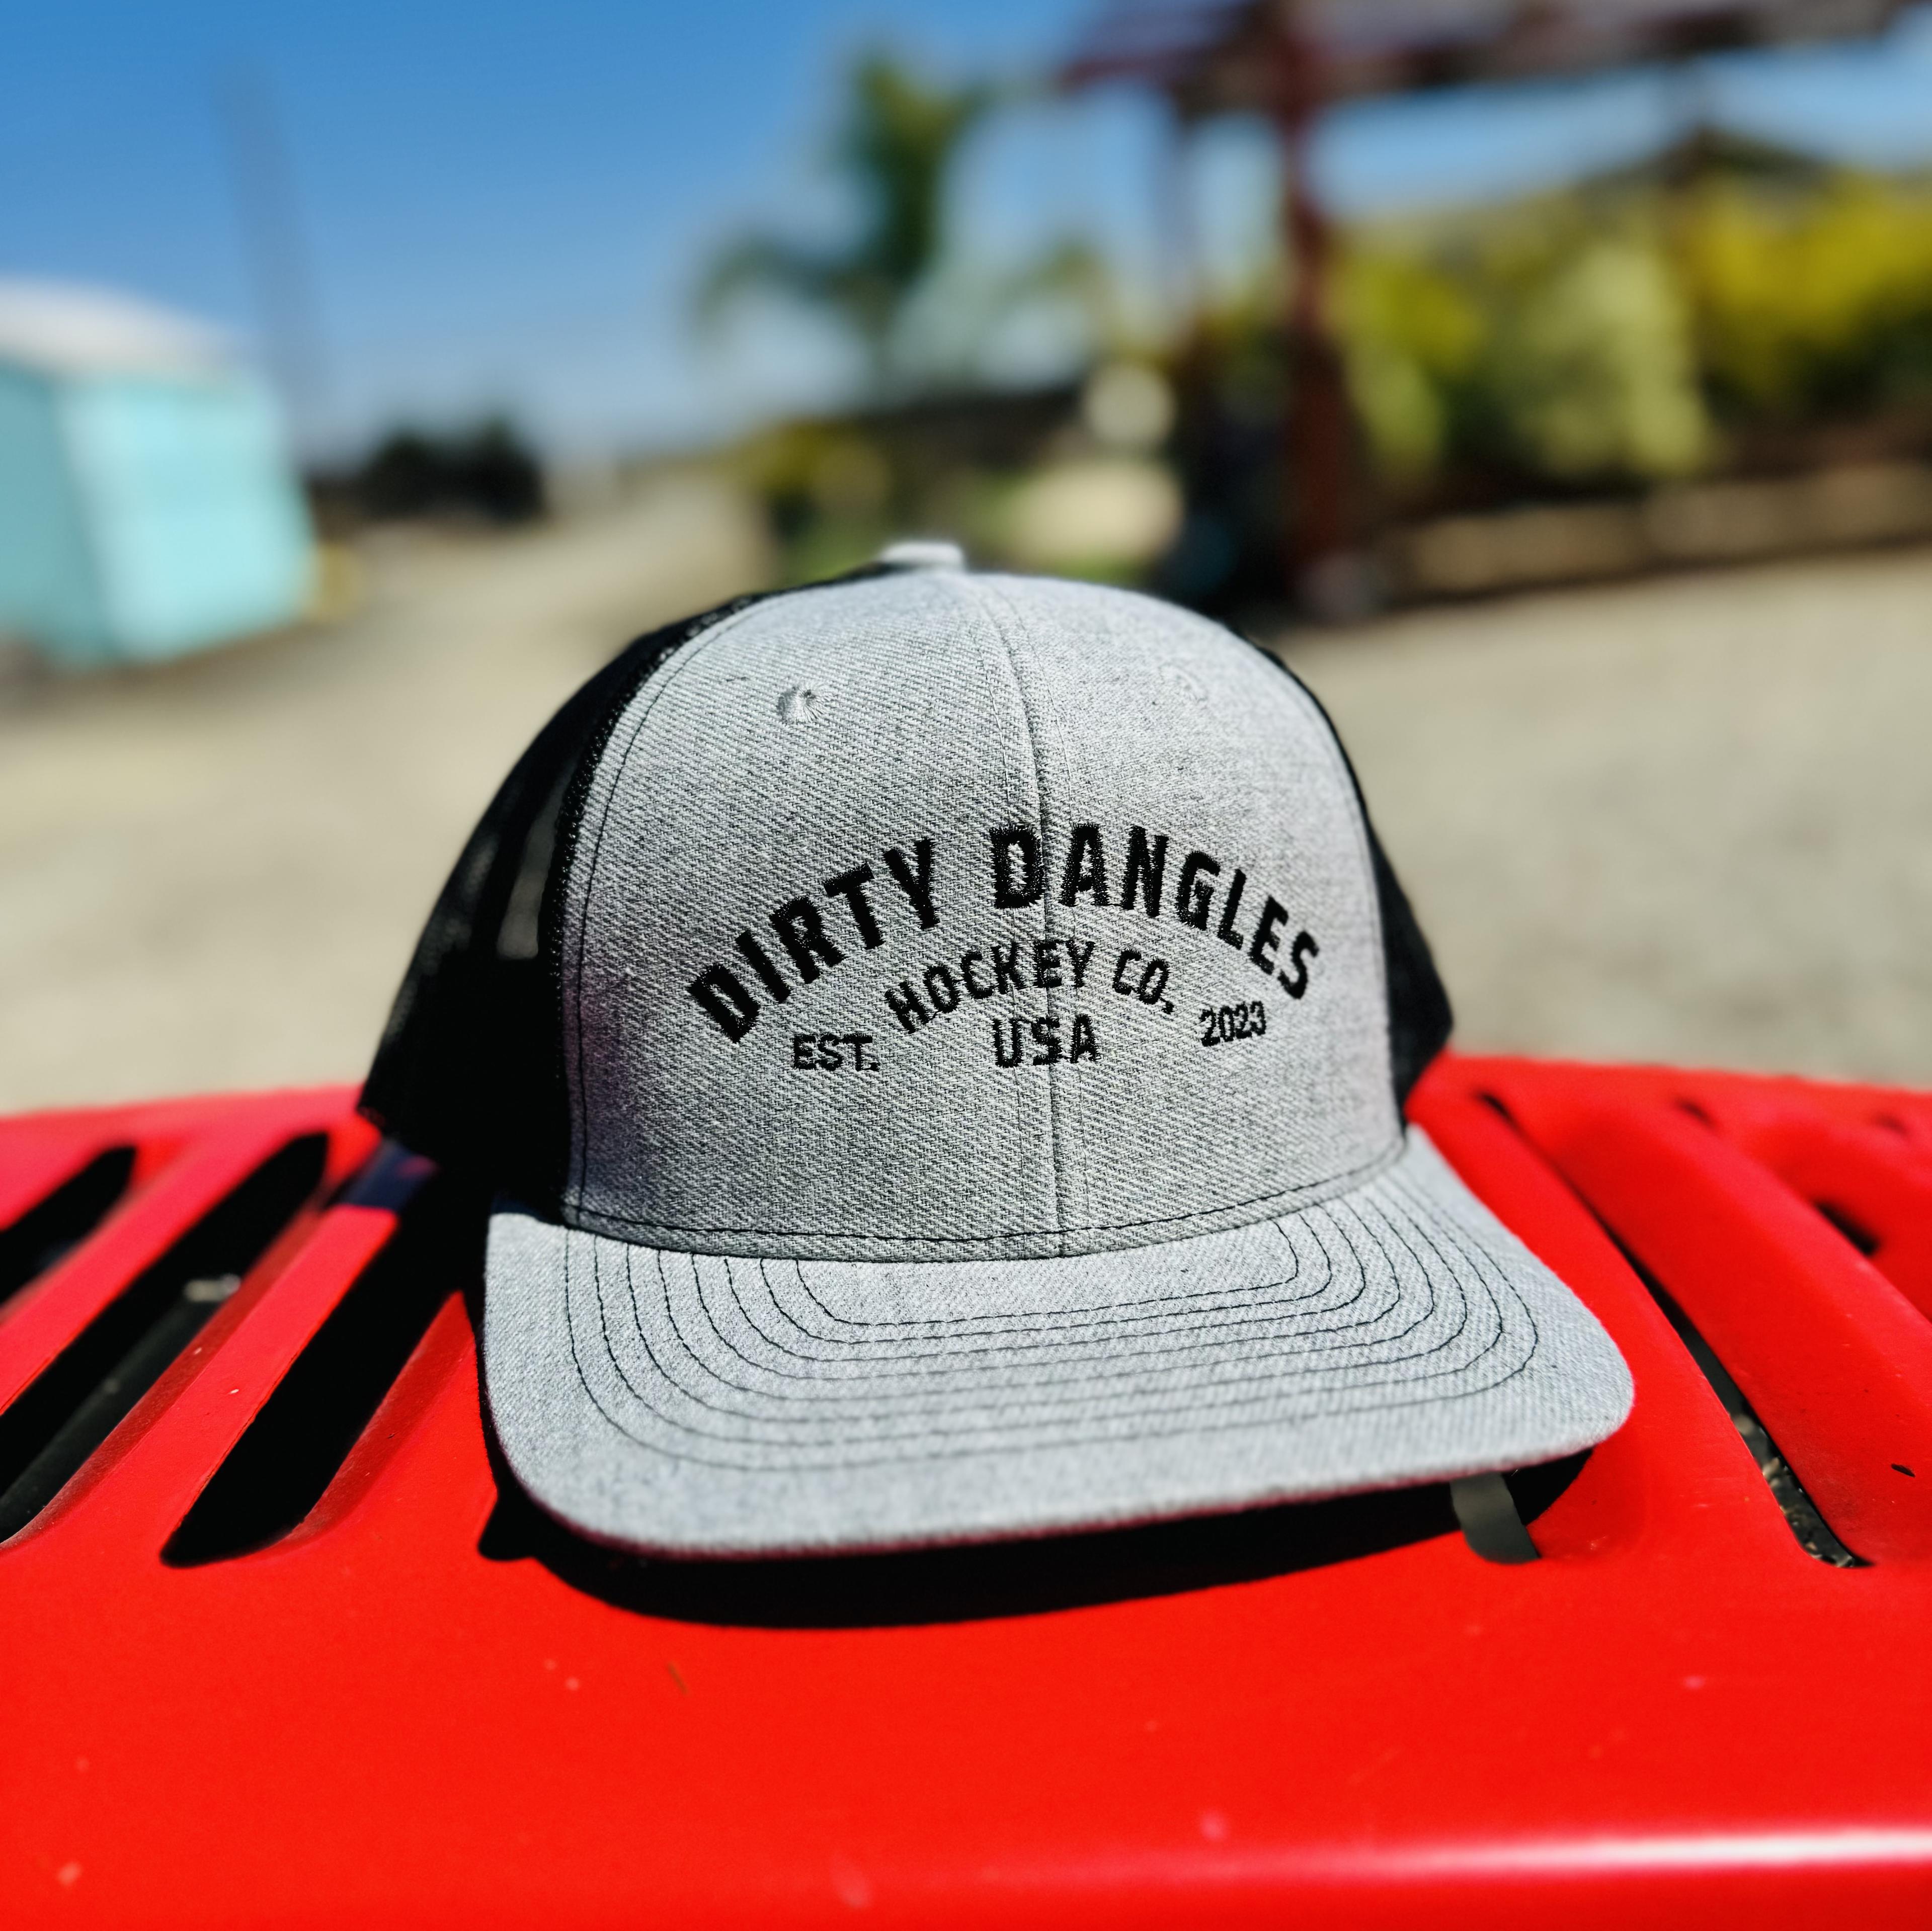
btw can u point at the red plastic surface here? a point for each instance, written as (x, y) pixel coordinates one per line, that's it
(1677, 1717)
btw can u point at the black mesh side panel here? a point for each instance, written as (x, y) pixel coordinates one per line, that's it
(469, 1070)
(1419, 1018)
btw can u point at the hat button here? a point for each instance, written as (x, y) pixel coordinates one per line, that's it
(922, 555)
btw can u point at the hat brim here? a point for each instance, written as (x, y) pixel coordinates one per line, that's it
(685, 1405)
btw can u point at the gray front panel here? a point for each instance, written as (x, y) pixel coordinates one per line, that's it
(924, 1088)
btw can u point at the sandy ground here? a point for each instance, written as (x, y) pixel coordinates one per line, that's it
(212, 874)
(1686, 819)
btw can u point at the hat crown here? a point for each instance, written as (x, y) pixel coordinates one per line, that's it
(941, 915)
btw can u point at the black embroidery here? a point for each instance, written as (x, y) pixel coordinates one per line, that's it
(1274, 915)
(1192, 901)
(850, 886)
(798, 924)
(906, 1007)
(1147, 867)
(916, 881)
(718, 991)
(1022, 842)
(1225, 931)
(1294, 981)
(756, 957)
(1086, 867)
(941, 987)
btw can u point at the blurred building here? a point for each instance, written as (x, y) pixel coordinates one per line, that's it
(146, 506)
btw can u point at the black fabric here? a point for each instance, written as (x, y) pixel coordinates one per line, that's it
(1420, 1018)
(470, 1070)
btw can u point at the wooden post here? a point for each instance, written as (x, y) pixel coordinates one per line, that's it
(1318, 470)
(1181, 273)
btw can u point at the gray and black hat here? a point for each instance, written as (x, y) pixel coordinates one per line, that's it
(939, 1041)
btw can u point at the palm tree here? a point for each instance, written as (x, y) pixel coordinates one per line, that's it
(899, 141)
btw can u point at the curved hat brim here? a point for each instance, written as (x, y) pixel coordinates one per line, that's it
(688, 1405)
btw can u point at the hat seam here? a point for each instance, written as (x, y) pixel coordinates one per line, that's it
(982, 595)
(1386, 884)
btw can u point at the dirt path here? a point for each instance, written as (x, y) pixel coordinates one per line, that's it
(211, 874)
(1686, 818)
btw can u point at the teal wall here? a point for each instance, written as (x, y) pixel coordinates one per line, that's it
(48, 587)
(141, 517)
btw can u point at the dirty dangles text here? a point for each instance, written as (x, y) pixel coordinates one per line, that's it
(808, 936)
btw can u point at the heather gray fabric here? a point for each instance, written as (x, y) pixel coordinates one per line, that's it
(1397, 1333)
(982, 1120)
(944, 706)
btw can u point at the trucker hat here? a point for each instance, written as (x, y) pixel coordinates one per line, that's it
(939, 1042)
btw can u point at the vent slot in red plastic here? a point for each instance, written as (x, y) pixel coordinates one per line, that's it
(1807, 1521)
(62, 1219)
(1853, 1229)
(76, 1403)
(295, 1447)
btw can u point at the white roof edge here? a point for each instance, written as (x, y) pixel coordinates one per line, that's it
(64, 328)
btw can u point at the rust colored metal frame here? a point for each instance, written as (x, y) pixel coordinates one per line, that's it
(1286, 60)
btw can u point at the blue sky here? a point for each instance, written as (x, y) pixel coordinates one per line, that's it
(506, 206)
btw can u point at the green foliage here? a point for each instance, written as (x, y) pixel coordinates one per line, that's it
(899, 142)
(829, 490)
(1614, 333)
(1413, 335)
(1812, 305)
(1594, 368)
(898, 285)
(1539, 340)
